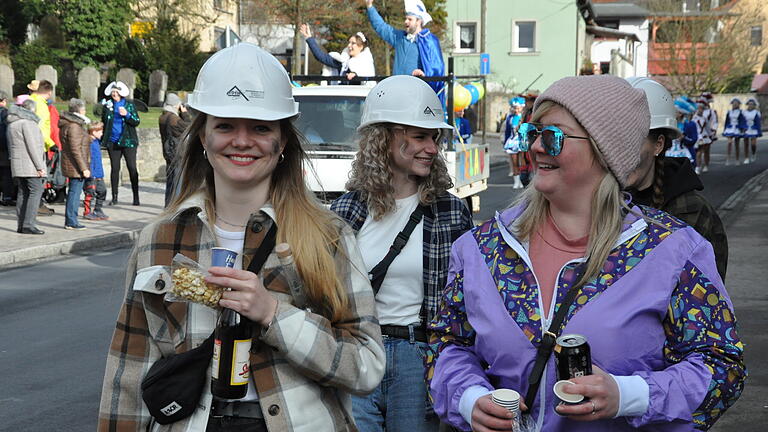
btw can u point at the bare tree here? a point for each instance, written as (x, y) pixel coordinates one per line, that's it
(190, 12)
(702, 45)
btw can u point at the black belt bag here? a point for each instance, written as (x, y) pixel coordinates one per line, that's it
(410, 333)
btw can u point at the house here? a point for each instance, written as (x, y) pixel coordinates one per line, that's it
(531, 43)
(620, 44)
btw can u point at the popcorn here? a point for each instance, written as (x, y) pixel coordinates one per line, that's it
(190, 284)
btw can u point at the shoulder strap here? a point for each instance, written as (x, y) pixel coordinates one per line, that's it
(262, 253)
(548, 343)
(380, 270)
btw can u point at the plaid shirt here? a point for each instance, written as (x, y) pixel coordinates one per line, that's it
(446, 220)
(303, 366)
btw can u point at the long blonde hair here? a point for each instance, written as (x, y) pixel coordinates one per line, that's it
(310, 229)
(606, 211)
(372, 171)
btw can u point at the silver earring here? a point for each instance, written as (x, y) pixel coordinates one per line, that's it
(205, 155)
(281, 158)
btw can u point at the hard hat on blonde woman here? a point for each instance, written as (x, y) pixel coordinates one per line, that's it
(660, 102)
(244, 81)
(405, 100)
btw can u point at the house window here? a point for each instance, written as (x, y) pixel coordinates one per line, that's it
(524, 36)
(465, 36)
(756, 35)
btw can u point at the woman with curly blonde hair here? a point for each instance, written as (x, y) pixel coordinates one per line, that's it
(399, 181)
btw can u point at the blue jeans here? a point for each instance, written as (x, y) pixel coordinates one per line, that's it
(73, 201)
(398, 404)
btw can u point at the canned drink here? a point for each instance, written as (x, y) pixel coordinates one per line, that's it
(572, 356)
(223, 257)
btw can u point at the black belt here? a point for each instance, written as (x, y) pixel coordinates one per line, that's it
(221, 408)
(409, 332)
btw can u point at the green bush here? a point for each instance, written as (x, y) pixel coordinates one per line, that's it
(28, 57)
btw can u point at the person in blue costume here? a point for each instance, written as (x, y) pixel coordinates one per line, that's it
(417, 50)
(461, 125)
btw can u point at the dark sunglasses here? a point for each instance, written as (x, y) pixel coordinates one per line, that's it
(551, 138)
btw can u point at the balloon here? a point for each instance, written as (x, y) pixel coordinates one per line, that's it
(474, 92)
(480, 89)
(461, 98)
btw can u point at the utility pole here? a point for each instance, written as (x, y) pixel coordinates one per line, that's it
(483, 106)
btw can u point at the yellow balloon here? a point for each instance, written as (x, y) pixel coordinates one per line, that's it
(461, 97)
(480, 89)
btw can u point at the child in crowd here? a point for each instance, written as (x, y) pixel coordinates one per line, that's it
(95, 188)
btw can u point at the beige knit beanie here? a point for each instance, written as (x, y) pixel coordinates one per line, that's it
(613, 113)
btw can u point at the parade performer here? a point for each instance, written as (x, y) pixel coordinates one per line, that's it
(735, 125)
(754, 128)
(417, 50)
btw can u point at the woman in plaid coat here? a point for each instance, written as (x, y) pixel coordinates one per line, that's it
(240, 176)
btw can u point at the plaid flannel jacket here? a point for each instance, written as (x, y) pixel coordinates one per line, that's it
(304, 366)
(447, 219)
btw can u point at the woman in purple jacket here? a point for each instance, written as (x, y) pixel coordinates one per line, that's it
(649, 300)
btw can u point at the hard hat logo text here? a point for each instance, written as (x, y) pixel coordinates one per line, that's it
(236, 93)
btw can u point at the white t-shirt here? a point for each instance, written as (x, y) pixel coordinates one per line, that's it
(402, 291)
(233, 240)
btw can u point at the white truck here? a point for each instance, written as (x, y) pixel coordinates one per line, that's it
(329, 118)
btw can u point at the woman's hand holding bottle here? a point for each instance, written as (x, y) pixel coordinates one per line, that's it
(247, 294)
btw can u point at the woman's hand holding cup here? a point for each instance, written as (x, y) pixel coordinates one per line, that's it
(247, 294)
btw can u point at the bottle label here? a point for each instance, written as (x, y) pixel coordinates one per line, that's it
(215, 359)
(240, 362)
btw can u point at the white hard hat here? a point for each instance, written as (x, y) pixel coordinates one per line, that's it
(660, 102)
(405, 100)
(244, 81)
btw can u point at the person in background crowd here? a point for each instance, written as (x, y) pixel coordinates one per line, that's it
(511, 143)
(41, 92)
(670, 183)
(120, 122)
(27, 147)
(242, 176)
(685, 108)
(524, 160)
(471, 115)
(60, 192)
(462, 128)
(638, 280)
(75, 158)
(7, 187)
(735, 125)
(703, 129)
(754, 129)
(417, 50)
(712, 118)
(397, 171)
(172, 123)
(95, 188)
(353, 62)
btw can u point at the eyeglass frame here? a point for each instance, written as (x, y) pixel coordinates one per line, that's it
(559, 135)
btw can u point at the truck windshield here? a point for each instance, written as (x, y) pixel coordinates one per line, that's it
(330, 122)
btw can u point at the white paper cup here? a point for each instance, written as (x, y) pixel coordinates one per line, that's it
(567, 398)
(506, 398)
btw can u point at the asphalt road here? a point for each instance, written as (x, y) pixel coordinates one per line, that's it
(56, 321)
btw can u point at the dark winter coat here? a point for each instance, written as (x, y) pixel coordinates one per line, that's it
(5, 158)
(682, 200)
(129, 137)
(172, 126)
(75, 146)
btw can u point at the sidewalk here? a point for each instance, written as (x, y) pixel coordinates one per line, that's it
(124, 222)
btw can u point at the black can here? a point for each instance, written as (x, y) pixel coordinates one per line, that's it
(572, 356)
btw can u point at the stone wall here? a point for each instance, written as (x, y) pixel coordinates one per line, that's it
(149, 160)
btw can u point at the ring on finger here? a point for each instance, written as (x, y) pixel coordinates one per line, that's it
(594, 408)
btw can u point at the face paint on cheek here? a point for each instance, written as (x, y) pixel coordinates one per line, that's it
(275, 146)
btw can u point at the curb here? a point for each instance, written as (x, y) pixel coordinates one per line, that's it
(732, 207)
(29, 256)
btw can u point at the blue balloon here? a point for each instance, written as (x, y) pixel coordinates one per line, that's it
(474, 92)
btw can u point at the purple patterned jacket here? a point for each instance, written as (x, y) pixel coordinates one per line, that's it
(658, 310)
